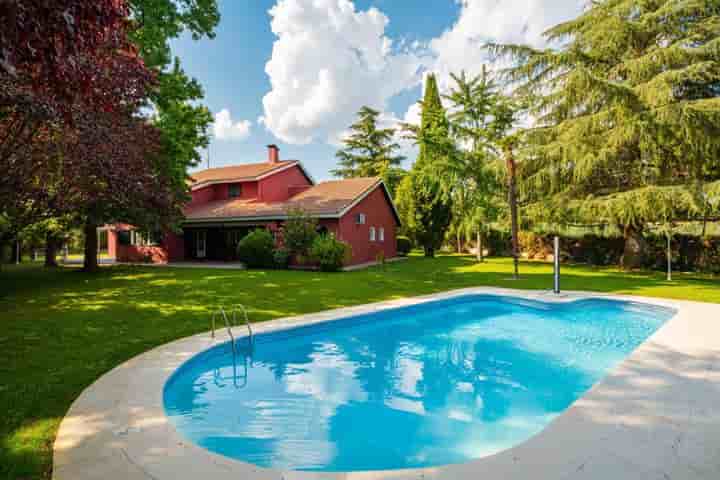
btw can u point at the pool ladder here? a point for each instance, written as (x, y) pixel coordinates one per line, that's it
(228, 325)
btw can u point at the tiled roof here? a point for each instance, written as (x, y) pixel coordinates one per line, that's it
(247, 171)
(324, 199)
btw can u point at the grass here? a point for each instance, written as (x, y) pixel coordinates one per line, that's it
(62, 329)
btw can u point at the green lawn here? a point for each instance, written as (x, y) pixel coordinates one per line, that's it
(62, 329)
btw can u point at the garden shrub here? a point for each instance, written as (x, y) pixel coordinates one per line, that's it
(281, 257)
(404, 245)
(256, 249)
(329, 253)
(299, 232)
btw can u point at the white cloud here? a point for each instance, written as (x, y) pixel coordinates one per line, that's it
(225, 129)
(328, 61)
(506, 21)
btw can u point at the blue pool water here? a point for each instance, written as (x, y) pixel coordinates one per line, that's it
(437, 383)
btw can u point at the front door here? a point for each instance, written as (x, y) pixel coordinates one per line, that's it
(201, 244)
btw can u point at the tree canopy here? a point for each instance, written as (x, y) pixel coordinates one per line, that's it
(423, 202)
(370, 151)
(626, 110)
(78, 81)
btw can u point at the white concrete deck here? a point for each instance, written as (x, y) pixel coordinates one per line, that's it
(655, 416)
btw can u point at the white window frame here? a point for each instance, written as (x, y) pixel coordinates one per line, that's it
(361, 219)
(372, 234)
(381, 234)
(136, 238)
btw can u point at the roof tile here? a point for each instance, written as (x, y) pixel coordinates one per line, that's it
(327, 198)
(246, 171)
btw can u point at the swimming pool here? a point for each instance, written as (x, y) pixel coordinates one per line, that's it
(435, 383)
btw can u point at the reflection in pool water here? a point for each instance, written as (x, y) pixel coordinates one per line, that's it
(427, 385)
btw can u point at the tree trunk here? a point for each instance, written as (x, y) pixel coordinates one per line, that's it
(51, 248)
(635, 247)
(459, 242)
(429, 251)
(669, 257)
(512, 200)
(18, 252)
(90, 263)
(480, 257)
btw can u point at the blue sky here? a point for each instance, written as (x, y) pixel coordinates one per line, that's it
(294, 72)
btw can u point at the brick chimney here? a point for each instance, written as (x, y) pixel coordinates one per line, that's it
(273, 154)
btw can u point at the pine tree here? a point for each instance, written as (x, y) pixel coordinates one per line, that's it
(370, 151)
(423, 202)
(627, 111)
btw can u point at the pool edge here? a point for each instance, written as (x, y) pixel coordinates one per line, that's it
(117, 427)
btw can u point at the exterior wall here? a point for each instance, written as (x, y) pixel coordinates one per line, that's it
(277, 187)
(171, 249)
(112, 242)
(378, 214)
(220, 192)
(203, 195)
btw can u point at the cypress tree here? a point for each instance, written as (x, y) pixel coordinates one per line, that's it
(369, 151)
(627, 116)
(424, 206)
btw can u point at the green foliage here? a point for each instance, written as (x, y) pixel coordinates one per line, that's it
(627, 110)
(404, 245)
(182, 120)
(369, 151)
(422, 200)
(281, 257)
(256, 249)
(329, 253)
(156, 22)
(480, 119)
(299, 232)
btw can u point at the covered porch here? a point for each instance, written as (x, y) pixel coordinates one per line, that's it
(218, 242)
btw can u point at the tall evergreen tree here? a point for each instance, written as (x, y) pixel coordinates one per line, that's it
(369, 151)
(423, 202)
(627, 110)
(479, 120)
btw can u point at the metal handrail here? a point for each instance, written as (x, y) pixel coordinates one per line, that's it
(247, 321)
(221, 311)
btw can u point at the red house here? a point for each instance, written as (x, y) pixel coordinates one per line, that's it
(229, 202)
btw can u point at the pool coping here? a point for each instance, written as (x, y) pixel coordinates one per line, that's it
(654, 415)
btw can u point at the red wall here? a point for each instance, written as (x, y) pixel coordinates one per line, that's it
(219, 191)
(171, 249)
(276, 188)
(378, 214)
(203, 195)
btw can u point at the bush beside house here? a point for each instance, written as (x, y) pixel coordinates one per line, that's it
(329, 253)
(257, 249)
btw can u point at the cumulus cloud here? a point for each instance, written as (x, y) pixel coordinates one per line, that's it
(508, 21)
(328, 61)
(225, 129)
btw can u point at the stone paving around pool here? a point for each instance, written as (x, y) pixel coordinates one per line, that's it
(653, 416)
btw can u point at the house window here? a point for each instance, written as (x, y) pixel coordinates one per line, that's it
(372, 234)
(382, 234)
(140, 239)
(360, 219)
(234, 190)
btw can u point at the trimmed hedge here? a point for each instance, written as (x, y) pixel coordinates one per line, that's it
(690, 253)
(256, 249)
